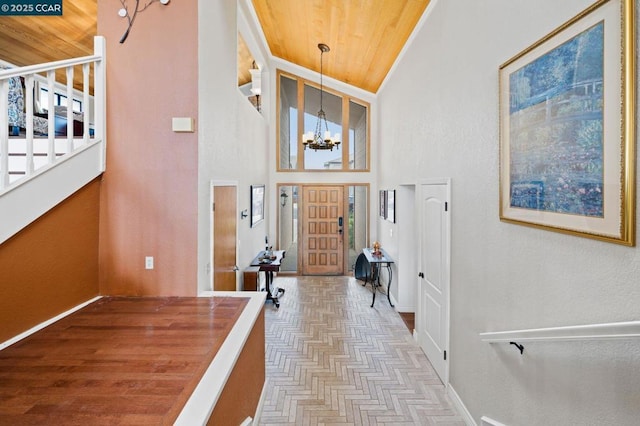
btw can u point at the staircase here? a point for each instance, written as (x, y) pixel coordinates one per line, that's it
(38, 172)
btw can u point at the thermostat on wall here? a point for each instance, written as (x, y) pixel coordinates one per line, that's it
(183, 124)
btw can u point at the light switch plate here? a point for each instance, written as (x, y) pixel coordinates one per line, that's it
(183, 124)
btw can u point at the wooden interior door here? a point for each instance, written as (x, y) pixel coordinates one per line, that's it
(224, 238)
(323, 230)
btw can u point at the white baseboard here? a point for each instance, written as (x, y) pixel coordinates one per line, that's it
(486, 421)
(45, 324)
(401, 308)
(462, 409)
(263, 395)
(395, 302)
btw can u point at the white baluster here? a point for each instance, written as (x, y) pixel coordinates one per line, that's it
(28, 83)
(4, 134)
(51, 86)
(100, 93)
(86, 106)
(69, 109)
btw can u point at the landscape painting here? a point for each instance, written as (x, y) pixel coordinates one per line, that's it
(567, 123)
(556, 131)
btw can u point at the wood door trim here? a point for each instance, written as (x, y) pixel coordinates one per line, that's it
(346, 186)
(233, 210)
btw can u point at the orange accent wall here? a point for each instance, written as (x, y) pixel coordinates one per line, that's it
(51, 265)
(241, 394)
(149, 197)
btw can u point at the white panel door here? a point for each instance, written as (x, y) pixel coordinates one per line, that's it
(432, 322)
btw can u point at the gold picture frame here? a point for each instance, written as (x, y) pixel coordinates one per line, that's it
(567, 128)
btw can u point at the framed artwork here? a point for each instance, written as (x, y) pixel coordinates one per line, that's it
(567, 128)
(391, 206)
(383, 204)
(257, 204)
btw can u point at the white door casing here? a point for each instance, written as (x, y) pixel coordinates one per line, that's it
(432, 319)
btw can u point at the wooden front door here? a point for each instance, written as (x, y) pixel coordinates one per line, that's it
(224, 238)
(322, 230)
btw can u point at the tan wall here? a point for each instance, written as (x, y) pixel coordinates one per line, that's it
(149, 196)
(51, 265)
(241, 394)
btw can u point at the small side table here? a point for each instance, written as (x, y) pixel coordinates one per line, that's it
(269, 267)
(377, 261)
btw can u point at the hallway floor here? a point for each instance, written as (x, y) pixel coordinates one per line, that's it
(332, 359)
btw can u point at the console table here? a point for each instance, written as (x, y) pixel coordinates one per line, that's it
(378, 261)
(269, 266)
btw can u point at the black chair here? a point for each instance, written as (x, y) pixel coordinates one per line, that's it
(362, 269)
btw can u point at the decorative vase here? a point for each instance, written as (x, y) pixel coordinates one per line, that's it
(376, 247)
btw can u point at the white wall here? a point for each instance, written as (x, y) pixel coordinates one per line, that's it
(404, 289)
(232, 140)
(438, 117)
(235, 143)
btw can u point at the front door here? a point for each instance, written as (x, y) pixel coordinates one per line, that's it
(322, 230)
(432, 319)
(224, 238)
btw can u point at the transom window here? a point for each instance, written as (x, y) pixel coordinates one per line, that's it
(346, 116)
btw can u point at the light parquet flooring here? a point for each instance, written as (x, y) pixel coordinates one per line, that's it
(332, 359)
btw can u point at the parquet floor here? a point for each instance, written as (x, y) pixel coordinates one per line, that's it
(334, 360)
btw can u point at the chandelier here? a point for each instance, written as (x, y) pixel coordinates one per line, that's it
(317, 140)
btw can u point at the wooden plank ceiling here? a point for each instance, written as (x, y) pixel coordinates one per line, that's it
(365, 36)
(245, 62)
(28, 40)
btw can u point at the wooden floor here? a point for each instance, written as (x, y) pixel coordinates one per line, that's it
(332, 359)
(409, 319)
(118, 361)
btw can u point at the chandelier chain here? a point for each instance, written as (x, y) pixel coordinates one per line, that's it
(316, 140)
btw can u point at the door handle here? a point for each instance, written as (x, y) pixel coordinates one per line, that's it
(235, 268)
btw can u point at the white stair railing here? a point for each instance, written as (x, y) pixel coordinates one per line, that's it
(4, 134)
(37, 172)
(22, 156)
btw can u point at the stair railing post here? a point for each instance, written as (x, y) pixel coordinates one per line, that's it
(4, 134)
